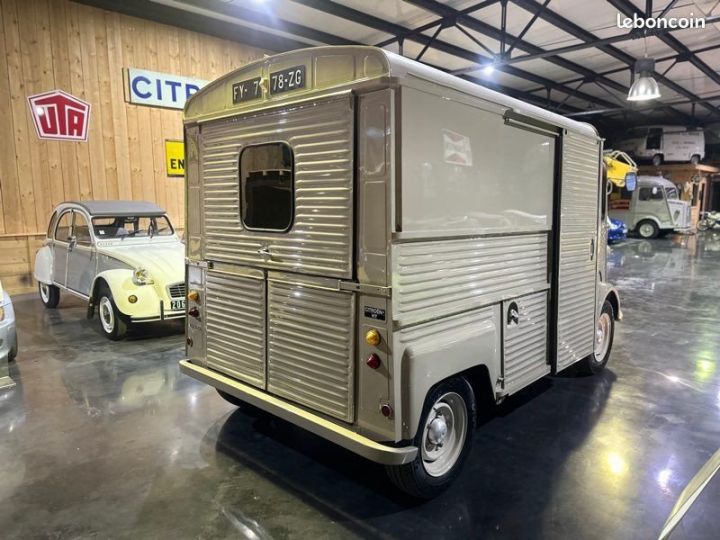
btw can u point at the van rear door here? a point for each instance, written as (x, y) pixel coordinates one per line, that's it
(277, 192)
(278, 189)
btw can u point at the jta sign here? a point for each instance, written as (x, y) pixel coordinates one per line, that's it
(58, 115)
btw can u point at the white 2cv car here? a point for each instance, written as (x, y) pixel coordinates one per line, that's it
(123, 257)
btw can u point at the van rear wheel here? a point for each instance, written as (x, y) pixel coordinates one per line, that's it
(647, 229)
(443, 440)
(695, 159)
(239, 403)
(657, 160)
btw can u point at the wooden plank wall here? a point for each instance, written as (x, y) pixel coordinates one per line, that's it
(58, 44)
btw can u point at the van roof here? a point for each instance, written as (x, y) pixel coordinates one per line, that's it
(335, 67)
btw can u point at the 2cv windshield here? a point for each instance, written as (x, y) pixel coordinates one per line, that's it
(131, 227)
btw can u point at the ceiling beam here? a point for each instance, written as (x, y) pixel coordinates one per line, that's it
(628, 8)
(383, 25)
(574, 30)
(204, 25)
(226, 29)
(540, 10)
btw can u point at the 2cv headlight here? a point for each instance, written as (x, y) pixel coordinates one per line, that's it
(142, 277)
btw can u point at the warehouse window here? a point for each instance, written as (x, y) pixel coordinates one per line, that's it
(266, 187)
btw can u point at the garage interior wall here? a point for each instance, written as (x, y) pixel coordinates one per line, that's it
(57, 44)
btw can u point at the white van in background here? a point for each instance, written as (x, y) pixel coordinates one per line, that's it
(665, 143)
(652, 209)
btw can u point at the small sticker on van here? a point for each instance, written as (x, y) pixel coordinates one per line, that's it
(374, 313)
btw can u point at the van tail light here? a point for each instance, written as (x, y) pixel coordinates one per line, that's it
(373, 361)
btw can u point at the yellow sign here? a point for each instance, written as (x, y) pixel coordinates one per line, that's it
(175, 158)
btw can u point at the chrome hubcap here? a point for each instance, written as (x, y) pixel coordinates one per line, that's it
(602, 336)
(444, 434)
(44, 292)
(107, 316)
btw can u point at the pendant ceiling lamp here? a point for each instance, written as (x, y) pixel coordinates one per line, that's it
(645, 86)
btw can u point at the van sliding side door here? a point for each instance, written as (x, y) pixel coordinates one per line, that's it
(575, 279)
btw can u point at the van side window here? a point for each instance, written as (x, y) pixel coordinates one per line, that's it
(654, 139)
(266, 186)
(646, 194)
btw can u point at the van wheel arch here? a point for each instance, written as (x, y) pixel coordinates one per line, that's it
(612, 297)
(482, 386)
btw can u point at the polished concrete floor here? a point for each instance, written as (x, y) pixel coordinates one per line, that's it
(108, 440)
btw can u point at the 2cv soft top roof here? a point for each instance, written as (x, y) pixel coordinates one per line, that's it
(337, 67)
(118, 208)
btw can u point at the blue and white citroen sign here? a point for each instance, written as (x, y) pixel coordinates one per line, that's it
(160, 89)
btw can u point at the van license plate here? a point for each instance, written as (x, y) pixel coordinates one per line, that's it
(177, 305)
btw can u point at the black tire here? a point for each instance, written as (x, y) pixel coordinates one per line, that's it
(647, 223)
(657, 160)
(113, 324)
(231, 399)
(593, 365)
(12, 355)
(240, 404)
(49, 295)
(695, 159)
(413, 478)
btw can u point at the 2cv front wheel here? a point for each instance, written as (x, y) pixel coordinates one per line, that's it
(112, 322)
(443, 440)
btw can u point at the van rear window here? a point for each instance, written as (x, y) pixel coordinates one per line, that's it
(266, 186)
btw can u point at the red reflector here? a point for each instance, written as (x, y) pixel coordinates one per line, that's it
(373, 361)
(194, 312)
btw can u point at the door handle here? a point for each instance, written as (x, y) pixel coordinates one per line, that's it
(592, 249)
(264, 252)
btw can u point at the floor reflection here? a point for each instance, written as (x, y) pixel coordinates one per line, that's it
(102, 439)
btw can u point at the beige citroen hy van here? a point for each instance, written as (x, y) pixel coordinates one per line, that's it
(376, 248)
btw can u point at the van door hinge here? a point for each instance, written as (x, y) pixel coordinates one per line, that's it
(364, 288)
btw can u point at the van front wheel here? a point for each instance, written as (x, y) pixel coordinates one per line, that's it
(604, 334)
(657, 160)
(443, 440)
(695, 159)
(647, 229)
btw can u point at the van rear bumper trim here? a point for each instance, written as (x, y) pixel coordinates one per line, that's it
(367, 448)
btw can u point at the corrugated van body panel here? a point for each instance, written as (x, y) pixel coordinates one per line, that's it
(439, 278)
(320, 239)
(526, 344)
(311, 347)
(578, 232)
(235, 326)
